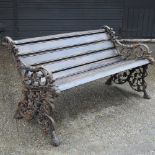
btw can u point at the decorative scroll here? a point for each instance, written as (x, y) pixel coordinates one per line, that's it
(36, 78)
(133, 51)
(121, 78)
(135, 77)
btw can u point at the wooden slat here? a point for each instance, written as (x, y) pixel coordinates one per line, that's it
(61, 43)
(80, 60)
(58, 36)
(65, 53)
(86, 67)
(76, 80)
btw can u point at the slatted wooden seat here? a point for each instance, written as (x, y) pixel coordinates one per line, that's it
(52, 64)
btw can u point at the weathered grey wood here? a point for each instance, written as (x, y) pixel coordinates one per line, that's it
(76, 80)
(61, 43)
(72, 62)
(64, 53)
(86, 67)
(58, 36)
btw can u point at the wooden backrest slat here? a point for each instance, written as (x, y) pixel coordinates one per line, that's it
(69, 53)
(80, 60)
(61, 43)
(50, 56)
(58, 36)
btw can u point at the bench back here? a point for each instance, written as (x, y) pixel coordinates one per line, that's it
(65, 51)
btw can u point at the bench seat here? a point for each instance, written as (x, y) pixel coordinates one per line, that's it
(55, 63)
(97, 73)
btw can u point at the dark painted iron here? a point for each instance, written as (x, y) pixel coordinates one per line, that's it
(135, 77)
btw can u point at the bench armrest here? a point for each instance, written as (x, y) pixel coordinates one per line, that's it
(130, 51)
(135, 51)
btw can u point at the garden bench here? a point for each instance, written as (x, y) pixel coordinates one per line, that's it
(55, 63)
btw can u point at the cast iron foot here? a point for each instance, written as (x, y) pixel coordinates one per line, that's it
(17, 115)
(146, 95)
(109, 81)
(55, 141)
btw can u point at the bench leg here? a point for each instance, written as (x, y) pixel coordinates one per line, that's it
(38, 98)
(135, 77)
(137, 80)
(44, 118)
(146, 95)
(109, 81)
(38, 105)
(22, 106)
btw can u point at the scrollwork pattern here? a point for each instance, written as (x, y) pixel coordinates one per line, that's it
(130, 51)
(135, 77)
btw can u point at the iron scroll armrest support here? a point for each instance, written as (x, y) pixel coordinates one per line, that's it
(130, 51)
(136, 76)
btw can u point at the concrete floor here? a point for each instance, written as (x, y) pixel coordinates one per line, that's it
(91, 119)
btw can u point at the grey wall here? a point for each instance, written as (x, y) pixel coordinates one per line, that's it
(139, 19)
(30, 18)
(6, 16)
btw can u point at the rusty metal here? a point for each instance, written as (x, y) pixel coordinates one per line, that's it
(135, 77)
(130, 51)
(38, 97)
